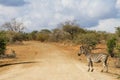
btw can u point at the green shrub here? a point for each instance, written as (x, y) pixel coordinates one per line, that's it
(20, 36)
(111, 43)
(33, 35)
(42, 37)
(89, 40)
(118, 50)
(2, 45)
(59, 35)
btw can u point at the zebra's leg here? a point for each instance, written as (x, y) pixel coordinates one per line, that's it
(91, 66)
(102, 69)
(104, 65)
(106, 68)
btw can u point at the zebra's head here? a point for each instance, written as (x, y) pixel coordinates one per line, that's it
(82, 51)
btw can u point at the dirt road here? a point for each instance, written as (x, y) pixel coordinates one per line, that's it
(52, 63)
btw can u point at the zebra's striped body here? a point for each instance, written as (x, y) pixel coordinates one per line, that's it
(96, 58)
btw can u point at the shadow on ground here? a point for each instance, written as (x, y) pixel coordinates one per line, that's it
(17, 63)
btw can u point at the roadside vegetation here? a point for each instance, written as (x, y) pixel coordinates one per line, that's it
(68, 32)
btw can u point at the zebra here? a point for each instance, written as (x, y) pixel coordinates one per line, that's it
(96, 58)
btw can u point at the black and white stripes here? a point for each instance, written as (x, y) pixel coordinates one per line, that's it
(100, 57)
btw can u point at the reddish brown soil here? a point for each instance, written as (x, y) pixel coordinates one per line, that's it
(52, 61)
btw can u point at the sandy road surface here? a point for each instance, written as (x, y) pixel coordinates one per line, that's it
(52, 64)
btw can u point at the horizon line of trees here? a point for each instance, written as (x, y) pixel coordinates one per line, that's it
(68, 32)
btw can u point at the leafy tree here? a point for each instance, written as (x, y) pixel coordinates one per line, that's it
(33, 35)
(59, 35)
(72, 28)
(89, 40)
(42, 37)
(46, 31)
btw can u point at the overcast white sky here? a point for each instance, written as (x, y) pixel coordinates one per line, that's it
(101, 15)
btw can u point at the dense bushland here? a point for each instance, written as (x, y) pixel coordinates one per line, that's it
(69, 31)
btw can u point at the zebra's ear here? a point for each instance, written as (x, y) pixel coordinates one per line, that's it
(81, 47)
